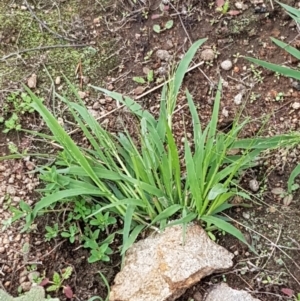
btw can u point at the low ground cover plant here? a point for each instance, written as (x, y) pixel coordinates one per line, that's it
(119, 186)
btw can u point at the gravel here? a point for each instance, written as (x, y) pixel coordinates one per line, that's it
(16, 184)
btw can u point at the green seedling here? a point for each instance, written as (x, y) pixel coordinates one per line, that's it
(141, 80)
(51, 232)
(57, 282)
(70, 233)
(224, 8)
(157, 28)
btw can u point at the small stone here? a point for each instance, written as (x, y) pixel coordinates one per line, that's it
(254, 185)
(224, 292)
(296, 105)
(57, 80)
(31, 82)
(163, 55)
(139, 90)
(96, 106)
(287, 200)
(162, 70)
(238, 99)
(10, 190)
(225, 112)
(26, 286)
(168, 45)
(110, 87)
(23, 7)
(238, 5)
(226, 65)
(102, 101)
(29, 165)
(197, 296)
(82, 94)
(207, 55)
(146, 70)
(246, 215)
(2, 250)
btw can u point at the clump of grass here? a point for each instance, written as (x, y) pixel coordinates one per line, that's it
(145, 185)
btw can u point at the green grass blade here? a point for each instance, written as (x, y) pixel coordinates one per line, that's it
(184, 65)
(192, 179)
(174, 162)
(127, 226)
(228, 228)
(166, 214)
(291, 50)
(195, 118)
(63, 138)
(276, 68)
(293, 175)
(60, 195)
(132, 238)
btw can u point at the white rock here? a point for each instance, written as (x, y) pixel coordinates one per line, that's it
(31, 82)
(226, 65)
(238, 99)
(296, 105)
(57, 80)
(225, 112)
(254, 185)
(225, 293)
(161, 267)
(163, 55)
(207, 54)
(82, 94)
(238, 5)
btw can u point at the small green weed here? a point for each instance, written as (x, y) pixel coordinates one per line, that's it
(168, 25)
(57, 282)
(16, 104)
(141, 80)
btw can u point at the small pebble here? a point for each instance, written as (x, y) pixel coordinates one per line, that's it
(207, 55)
(163, 55)
(102, 101)
(254, 185)
(238, 99)
(57, 80)
(226, 65)
(296, 105)
(96, 106)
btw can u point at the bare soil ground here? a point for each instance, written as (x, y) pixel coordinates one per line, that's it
(107, 43)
